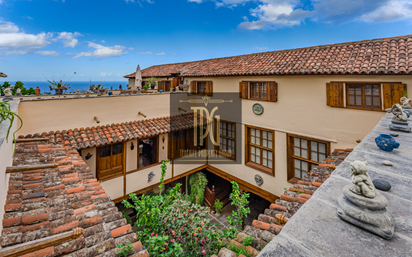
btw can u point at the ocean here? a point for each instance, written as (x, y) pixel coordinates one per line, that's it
(82, 85)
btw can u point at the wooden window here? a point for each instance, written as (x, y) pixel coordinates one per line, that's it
(364, 95)
(260, 149)
(261, 91)
(227, 142)
(304, 154)
(163, 85)
(183, 140)
(109, 161)
(201, 88)
(148, 152)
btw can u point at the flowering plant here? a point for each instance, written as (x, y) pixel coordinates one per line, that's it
(58, 85)
(168, 225)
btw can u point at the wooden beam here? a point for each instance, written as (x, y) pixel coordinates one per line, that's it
(32, 246)
(245, 186)
(141, 191)
(22, 140)
(12, 169)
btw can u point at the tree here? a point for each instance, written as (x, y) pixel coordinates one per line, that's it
(4, 86)
(24, 91)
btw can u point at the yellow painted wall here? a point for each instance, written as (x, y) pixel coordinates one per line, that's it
(113, 187)
(131, 155)
(91, 163)
(163, 147)
(138, 180)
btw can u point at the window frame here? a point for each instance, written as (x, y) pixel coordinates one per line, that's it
(363, 96)
(196, 87)
(155, 149)
(248, 145)
(232, 156)
(259, 91)
(291, 157)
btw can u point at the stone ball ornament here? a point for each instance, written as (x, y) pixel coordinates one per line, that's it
(258, 179)
(363, 206)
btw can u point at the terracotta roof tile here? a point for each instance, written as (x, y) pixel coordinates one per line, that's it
(101, 135)
(45, 202)
(375, 56)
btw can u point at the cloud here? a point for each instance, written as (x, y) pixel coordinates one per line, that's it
(28, 17)
(68, 38)
(392, 11)
(106, 74)
(174, 54)
(139, 1)
(131, 48)
(103, 41)
(161, 53)
(260, 48)
(102, 51)
(14, 42)
(272, 14)
(149, 53)
(48, 53)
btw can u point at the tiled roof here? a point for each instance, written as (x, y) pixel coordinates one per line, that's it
(376, 56)
(81, 138)
(278, 214)
(49, 201)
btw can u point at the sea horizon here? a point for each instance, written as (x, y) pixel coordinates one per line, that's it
(81, 85)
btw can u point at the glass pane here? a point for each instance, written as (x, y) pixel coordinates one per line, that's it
(313, 146)
(253, 132)
(270, 154)
(297, 141)
(265, 143)
(257, 152)
(358, 100)
(312, 166)
(221, 132)
(252, 140)
(264, 134)
(265, 154)
(117, 148)
(257, 140)
(376, 90)
(304, 143)
(270, 164)
(322, 157)
(368, 90)
(368, 100)
(358, 90)
(253, 150)
(270, 135)
(297, 151)
(351, 90)
(304, 173)
(253, 158)
(376, 101)
(304, 153)
(304, 166)
(297, 173)
(297, 164)
(322, 148)
(265, 162)
(314, 156)
(351, 100)
(104, 151)
(224, 140)
(270, 144)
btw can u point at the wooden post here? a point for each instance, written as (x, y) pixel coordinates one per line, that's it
(32, 246)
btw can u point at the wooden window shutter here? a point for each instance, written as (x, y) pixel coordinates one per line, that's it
(334, 94)
(193, 87)
(392, 94)
(272, 91)
(209, 88)
(161, 86)
(244, 90)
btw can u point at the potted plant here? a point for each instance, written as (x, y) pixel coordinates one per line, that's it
(58, 87)
(152, 82)
(146, 86)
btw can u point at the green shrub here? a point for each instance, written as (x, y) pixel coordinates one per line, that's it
(127, 217)
(197, 184)
(126, 249)
(218, 205)
(246, 241)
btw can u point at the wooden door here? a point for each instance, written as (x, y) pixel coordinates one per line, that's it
(175, 82)
(109, 161)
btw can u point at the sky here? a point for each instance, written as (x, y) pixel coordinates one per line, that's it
(81, 40)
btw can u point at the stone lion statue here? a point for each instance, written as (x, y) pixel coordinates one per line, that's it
(406, 102)
(398, 113)
(362, 183)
